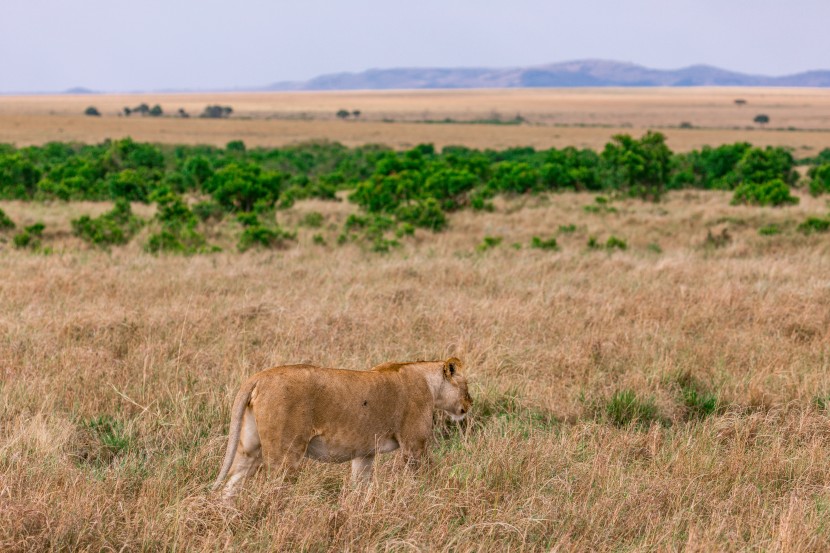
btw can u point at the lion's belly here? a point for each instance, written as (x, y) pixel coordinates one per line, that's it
(330, 451)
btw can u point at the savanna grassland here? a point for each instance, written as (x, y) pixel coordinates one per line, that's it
(584, 118)
(666, 396)
(647, 339)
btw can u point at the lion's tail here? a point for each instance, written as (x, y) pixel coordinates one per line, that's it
(237, 412)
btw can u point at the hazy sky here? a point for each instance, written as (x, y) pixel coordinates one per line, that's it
(115, 45)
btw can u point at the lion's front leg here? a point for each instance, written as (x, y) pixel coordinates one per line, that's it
(362, 469)
(414, 453)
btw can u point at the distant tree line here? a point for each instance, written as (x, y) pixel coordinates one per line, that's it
(144, 110)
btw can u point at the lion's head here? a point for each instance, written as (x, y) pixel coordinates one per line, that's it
(453, 396)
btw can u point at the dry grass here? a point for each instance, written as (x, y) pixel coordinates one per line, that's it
(556, 117)
(118, 369)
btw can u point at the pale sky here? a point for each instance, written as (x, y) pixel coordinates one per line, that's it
(115, 45)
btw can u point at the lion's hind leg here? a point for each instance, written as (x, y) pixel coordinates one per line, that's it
(248, 457)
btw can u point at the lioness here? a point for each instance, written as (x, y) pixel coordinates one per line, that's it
(282, 414)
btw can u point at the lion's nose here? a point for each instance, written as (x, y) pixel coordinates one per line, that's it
(463, 411)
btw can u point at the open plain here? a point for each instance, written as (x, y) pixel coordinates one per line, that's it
(669, 396)
(658, 381)
(585, 118)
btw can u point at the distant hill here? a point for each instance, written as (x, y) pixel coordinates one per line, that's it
(79, 90)
(584, 73)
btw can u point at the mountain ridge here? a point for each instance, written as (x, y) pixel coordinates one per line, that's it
(576, 73)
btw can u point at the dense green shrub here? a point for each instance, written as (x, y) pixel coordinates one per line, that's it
(208, 211)
(766, 165)
(712, 168)
(814, 224)
(130, 184)
(240, 185)
(571, 168)
(117, 226)
(128, 154)
(18, 177)
(408, 189)
(819, 179)
(514, 177)
(178, 232)
(30, 237)
(638, 167)
(258, 235)
(423, 213)
(769, 193)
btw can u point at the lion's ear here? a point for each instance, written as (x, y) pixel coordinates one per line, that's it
(451, 367)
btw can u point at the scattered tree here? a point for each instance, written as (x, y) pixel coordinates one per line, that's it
(183, 114)
(92, 111)
(761, 119)
(217, 112)
(343, 114)
(356, 114)
(155, 111)
(740, 102)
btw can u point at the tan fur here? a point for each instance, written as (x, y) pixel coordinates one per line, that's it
(283, 414)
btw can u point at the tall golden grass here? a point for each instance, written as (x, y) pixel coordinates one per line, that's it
(118, 370)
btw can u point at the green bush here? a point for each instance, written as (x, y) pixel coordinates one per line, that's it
(235, 146)
(539, 243)
(515, 177)
(424, 214)
(771, 193)
(207, 211)
(769, 230)
(129, 184)
(819, 179)
(639, 167)
(114, 227)
(30, 237)
(765, 165)
(241, 185)
(614, 243)
(18, 177)
(814, 224)
(178, 233)
(184, 241)
(258, 235)
(248, 219)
